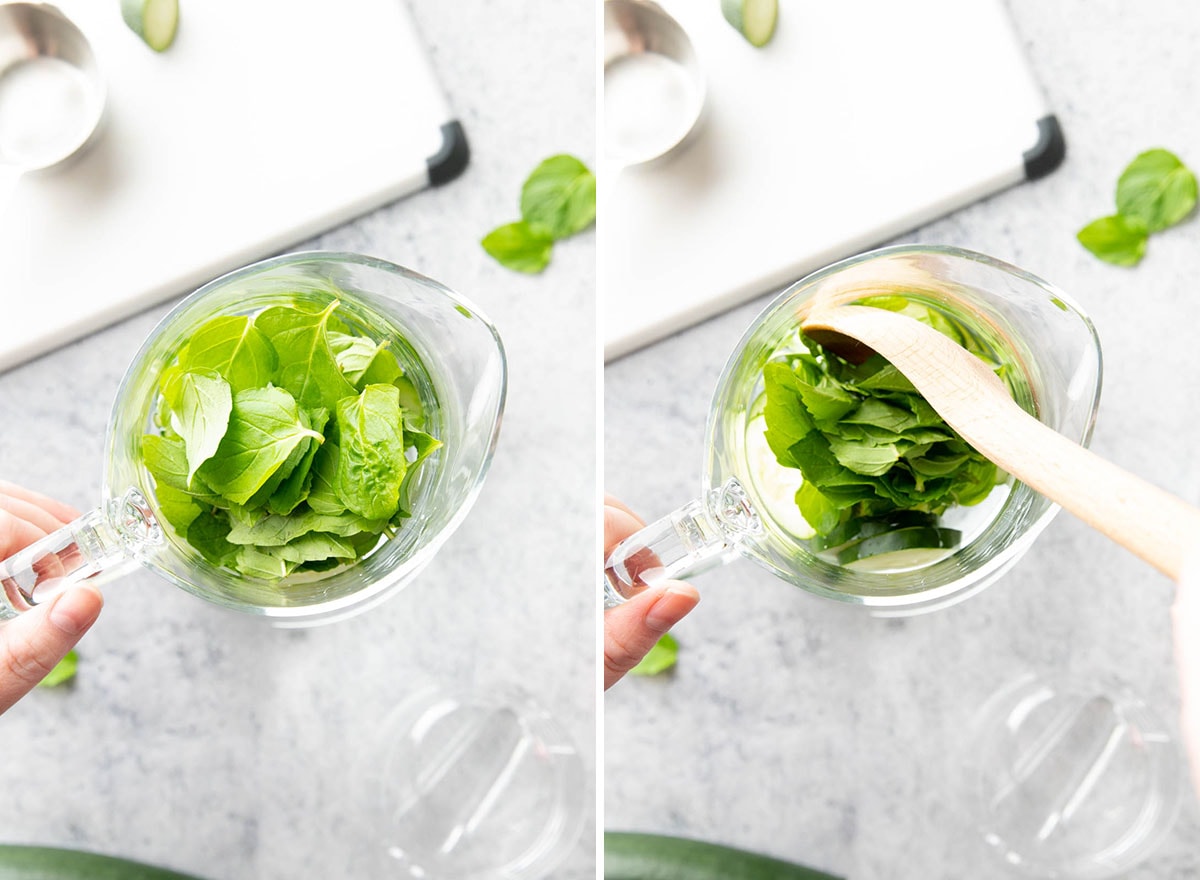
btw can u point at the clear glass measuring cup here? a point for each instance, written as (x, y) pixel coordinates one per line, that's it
(460, 375)
(1032, 325)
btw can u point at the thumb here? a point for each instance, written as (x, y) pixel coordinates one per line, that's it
(31, 645)
(632, 629)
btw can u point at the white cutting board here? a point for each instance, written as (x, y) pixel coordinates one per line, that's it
(266, 122)
(860, 120)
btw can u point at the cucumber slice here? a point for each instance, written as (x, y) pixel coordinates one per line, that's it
(864, 527)
(903, 548)
(155, 21)
(753, 19)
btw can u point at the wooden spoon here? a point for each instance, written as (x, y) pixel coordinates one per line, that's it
(1153, 524)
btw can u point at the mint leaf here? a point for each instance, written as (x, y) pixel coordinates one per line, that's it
(660, 658)
(1117, 239)
(308, 368)
(178, 508)
(63, 671)
(371, 464)
(201, 402)
(520, 247)
(270, 566)
(272, 530)
(232, 346)
(296, 486)
(1157, 189)
(323, 495)
(264, 429)
(209, 534)
(316, 547)
(559, 197)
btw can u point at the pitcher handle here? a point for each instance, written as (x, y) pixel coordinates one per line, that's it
(96, 546)
(702, 534)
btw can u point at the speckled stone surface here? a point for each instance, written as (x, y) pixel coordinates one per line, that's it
(211, 743)
(809, 730)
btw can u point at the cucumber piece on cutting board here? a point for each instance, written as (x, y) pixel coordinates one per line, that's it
(753, 19)
(155, 21)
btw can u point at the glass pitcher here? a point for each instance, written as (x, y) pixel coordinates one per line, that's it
(462, 385)
(1033, 326)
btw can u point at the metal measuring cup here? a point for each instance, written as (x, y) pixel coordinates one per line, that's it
(653, 83)
(52, 93)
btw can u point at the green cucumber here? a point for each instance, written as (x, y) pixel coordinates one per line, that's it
(629, 856)
(50, 863)
(155, 21)
(753, 19)
(865, 526)
(900, 547)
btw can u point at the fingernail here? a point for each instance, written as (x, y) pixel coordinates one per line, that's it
(677, 601)
(77, 609)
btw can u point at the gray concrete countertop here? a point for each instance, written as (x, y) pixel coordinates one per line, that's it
(209, 742)
(809, 730)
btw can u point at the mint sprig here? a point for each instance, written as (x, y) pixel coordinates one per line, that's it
(1155, 192)
(558, 200)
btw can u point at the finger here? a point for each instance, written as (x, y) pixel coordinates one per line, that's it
(632, 629)
(609, 501)
(16, 533)
(619, 524)
(40, 517)
(64, 512)
(31, 645)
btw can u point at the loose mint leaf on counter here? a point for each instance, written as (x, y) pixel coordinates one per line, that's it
(660, 658)
(1117, 239)
(520, 247)
(558, 200)
(559, 197)
(1156, 188)
(63, 671)
(1155, 191)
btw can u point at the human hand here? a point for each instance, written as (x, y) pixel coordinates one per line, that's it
(632, 629)
(31, 644)
(1186, 618)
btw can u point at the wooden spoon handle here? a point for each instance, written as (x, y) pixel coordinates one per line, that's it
(1155, 525)
(1152, 523)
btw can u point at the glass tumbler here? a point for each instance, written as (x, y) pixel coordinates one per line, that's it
(1036, 328)
(452, 354)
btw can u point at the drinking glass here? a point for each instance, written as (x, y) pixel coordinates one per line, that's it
(449, 350)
